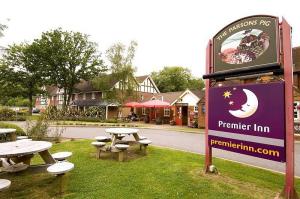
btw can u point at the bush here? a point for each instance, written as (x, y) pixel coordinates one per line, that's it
(92, 114)
(19, 131)
(7, 114)
(38, 130)
(158, 121)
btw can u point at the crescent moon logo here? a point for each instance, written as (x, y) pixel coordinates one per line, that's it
(249, 108)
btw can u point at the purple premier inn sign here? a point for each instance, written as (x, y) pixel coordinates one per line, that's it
(248, 119)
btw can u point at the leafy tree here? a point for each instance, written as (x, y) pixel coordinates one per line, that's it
(20, 73)
(176, 78)
(68, 58)
(18, 101)
(122, 72)
(196, 83)
(2, 28)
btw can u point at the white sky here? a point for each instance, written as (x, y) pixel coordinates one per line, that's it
(168, 32)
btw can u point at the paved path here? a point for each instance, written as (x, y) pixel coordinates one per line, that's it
(188, 142)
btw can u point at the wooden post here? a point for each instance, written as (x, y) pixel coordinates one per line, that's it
(136, 136)
(121, 156)
(13, 136)
(289, 189)
(98, 152)
(208, 150)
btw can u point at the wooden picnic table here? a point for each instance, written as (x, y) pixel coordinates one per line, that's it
(122, 131)
(23, 151)
(10, 131)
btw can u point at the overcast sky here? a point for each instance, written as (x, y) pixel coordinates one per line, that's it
(168, 32)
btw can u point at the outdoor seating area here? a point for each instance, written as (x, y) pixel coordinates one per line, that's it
(116, 144)
(18, 151)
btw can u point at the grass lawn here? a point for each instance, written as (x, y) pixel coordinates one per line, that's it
(163, 173)
(33, 117)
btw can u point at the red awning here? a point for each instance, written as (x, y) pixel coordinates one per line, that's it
(132, 104)
(155, 104)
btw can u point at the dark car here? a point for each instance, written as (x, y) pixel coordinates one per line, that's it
(35, 110)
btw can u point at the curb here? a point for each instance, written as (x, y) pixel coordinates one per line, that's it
(139, 127)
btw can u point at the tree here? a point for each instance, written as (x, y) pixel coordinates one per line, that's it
(68, 58)
(2, 28)
(122, 72)
(176, 78)
(20, 73)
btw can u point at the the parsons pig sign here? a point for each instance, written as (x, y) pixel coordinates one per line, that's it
(248, 119)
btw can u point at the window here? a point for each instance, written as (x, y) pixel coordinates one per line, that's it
(93, 95)
(84, 97)
(195, 108)
(60, 99)
(296, 111)
(167, 112)
(143, 111)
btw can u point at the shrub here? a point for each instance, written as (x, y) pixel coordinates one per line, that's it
(38, 130)
(158, 120)
(19, 131)
(92, 114)
(57, 133)
(7, 114)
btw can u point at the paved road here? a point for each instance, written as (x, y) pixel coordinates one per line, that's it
(186, 141)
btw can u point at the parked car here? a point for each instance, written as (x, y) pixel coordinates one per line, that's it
(35, 110)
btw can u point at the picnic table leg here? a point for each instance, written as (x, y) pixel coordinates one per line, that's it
(46, 156)
(113, 140)
(26, 159)
(13, 136)
(121, 156)
(136, 136)
(98, 152)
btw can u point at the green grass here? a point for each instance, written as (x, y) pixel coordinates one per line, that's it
(163, 173)
(33, 117)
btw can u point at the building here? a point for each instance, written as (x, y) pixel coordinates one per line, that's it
(85, 96)
(183, 110)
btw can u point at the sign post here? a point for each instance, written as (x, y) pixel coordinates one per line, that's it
(208, 149)
(289, 190)
(236, 113)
